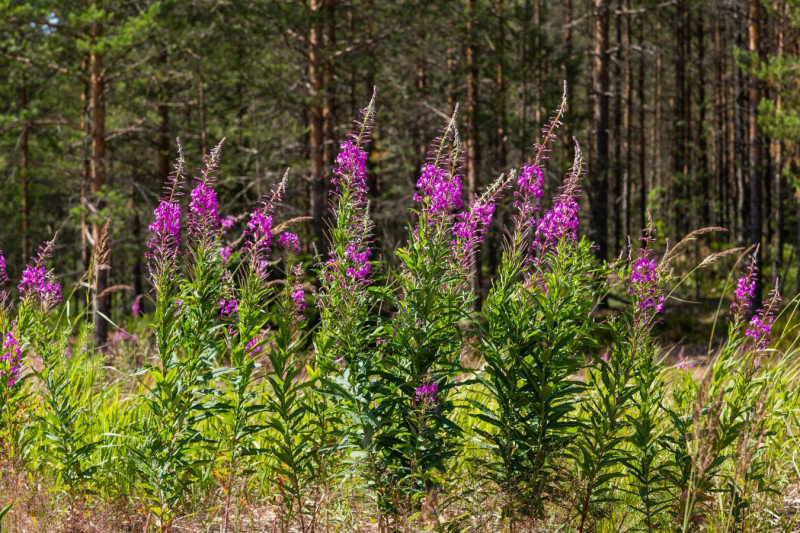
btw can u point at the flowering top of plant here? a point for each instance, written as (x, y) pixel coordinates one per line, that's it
(470, 227)
(203, 208)
(530, 184)
(439, 190)
(562, 220)
(227, 307)
(760, 326)
(204, 219)
(351, 168)
(427, 393)
(289, 242)
(37, 284)
(299, 299)
(11, 358)
(3, 272)
(258, 235)
(643, 285)
(745, 290)
(348, 266)
(166, 227)
(228, 222)
(225, 253)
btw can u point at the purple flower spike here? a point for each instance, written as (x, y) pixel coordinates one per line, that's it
(289, 242)
(228, 222)
(203, 210)
(12, 356)
(3, 272)
(37, 284)
(166, 230)
(225, 254)
(299, 299)
(531, 181)
(561, 221)
(643, 286)
(228, 308)
(351, 170)
(428, 394)
(439, 189)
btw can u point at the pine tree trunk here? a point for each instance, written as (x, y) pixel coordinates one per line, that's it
(98, 174)
(315, 138)
(599, 224)
(754, 148)
(24, 172)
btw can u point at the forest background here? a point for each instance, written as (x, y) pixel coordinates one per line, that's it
(686, 109)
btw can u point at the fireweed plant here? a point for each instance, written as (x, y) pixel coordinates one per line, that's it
(568, 418)
(536, 330)
(346, 340)
(420, 350)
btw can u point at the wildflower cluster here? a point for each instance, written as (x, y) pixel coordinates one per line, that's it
(760, 326)
(289, 242)
(3, 272)
(165, 229)
(351, 170)
(37, 285)
(439, 190)
(11, 359)
(643, 285)
(530, 185)
(349, 262)
(427, 394)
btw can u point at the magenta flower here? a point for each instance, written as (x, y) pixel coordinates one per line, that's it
(228, 222)
(759, 330)
(225, 254)
(166, 230)
(761, 323)
(440, 191)
(3, 272)
(227, 308)
(12, 356)
(351, 170)
(559, 222)
(289, 242)
(203, 210)
(359, 262)
(299, 299)
(38, 285)
(136, 307)
(470, 228)
(427, 393)
(531, 182)
(643, 285)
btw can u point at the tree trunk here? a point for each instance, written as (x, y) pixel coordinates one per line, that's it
(98, 174)
(500, 106)
(471, 146)
(329, 99)
(754, 148)
(24, 173)
(599, 223)
(315, 138)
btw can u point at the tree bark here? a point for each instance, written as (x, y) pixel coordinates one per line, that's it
(471, 145)
(754, 148)
(599, 224)
(98, 174)
(24, 173)
(315, 149)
